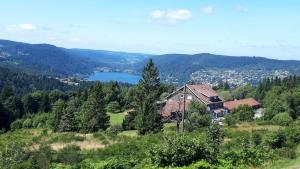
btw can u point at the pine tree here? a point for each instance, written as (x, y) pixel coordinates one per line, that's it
(6, 92)
(68, 121)
(148, 119)
(93, 115)
(58, 111)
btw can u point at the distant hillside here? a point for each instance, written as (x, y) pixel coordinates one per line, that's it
(188, 67)
(174, 68)
(110, 57)
(22, 83)
(43, 59)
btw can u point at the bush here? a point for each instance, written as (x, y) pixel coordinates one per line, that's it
(27, 123)
(117, 163)
(18, 124)
(129, 121)
(230, 120)
(178, 151)
(277, 139)
(287, 153)
(283, 119)
(244, 113)
(40, 120)
(69, 155)
(113, 107)
(115, 129)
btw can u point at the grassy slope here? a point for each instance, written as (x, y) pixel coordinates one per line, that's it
(116, 118)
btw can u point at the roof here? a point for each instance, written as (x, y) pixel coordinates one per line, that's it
(202, 91)
(174, 106)
(230, 105)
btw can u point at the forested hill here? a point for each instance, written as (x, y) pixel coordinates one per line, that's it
(200, 67)
(43, 59)
(22, 83)
(174, 68)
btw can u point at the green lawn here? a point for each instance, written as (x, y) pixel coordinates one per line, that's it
(130, 133)
(116, 118)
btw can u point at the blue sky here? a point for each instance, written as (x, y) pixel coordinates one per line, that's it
(268, 28)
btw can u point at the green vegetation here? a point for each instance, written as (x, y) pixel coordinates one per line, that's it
(83, 128)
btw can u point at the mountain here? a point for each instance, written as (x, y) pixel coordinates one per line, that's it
(174, 68)
(110, 57)
(211, 68)
(43, 59)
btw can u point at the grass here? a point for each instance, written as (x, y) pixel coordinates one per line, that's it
(130, 133)
(285, 163)
(116, 118)
(250, 126)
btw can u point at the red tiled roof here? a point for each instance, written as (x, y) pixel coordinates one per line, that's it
(174, 106)
(203, 89)
(230, 105)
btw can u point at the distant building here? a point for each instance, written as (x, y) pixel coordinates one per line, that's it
(179, 100)
(231, 105)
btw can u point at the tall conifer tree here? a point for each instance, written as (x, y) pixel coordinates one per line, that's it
(148, 119)
(93, 114)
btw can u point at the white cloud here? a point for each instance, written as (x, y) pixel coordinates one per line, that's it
(21, 27)
(241, 8)
(171, 16)
(157, 14)
(27, 26)
(208, 10)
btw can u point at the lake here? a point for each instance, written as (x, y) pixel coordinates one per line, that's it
(115, 76)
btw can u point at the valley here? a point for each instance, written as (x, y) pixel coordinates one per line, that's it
(199, 68)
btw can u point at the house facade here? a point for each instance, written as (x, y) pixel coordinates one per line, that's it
(179, 100)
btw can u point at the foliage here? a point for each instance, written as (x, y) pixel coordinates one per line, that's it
(129, 121)
(93, 115)
(117, 163)
(69, 155)
(178, 151)
(197, 117)
(148, 119)
(215, 136)
(244, 113)
(243, 92)
(230, 120)
(283, 119)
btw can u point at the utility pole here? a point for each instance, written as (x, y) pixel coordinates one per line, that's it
(184, 93)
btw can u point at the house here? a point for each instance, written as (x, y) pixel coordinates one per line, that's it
(231, 105)
(179, 100)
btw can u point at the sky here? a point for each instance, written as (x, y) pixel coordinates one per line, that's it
(267, 28)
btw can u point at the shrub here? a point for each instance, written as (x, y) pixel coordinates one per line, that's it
(117, 163)
(244, 113)
(113, 107)
(27, 123)
(115, 129)
(283, 119)
(129, 121)
(40, 120)
(256, 137)
(178, 151)
(69, 154)
(18, 124)
(287, 152)
(230, 120)
(277, 139)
